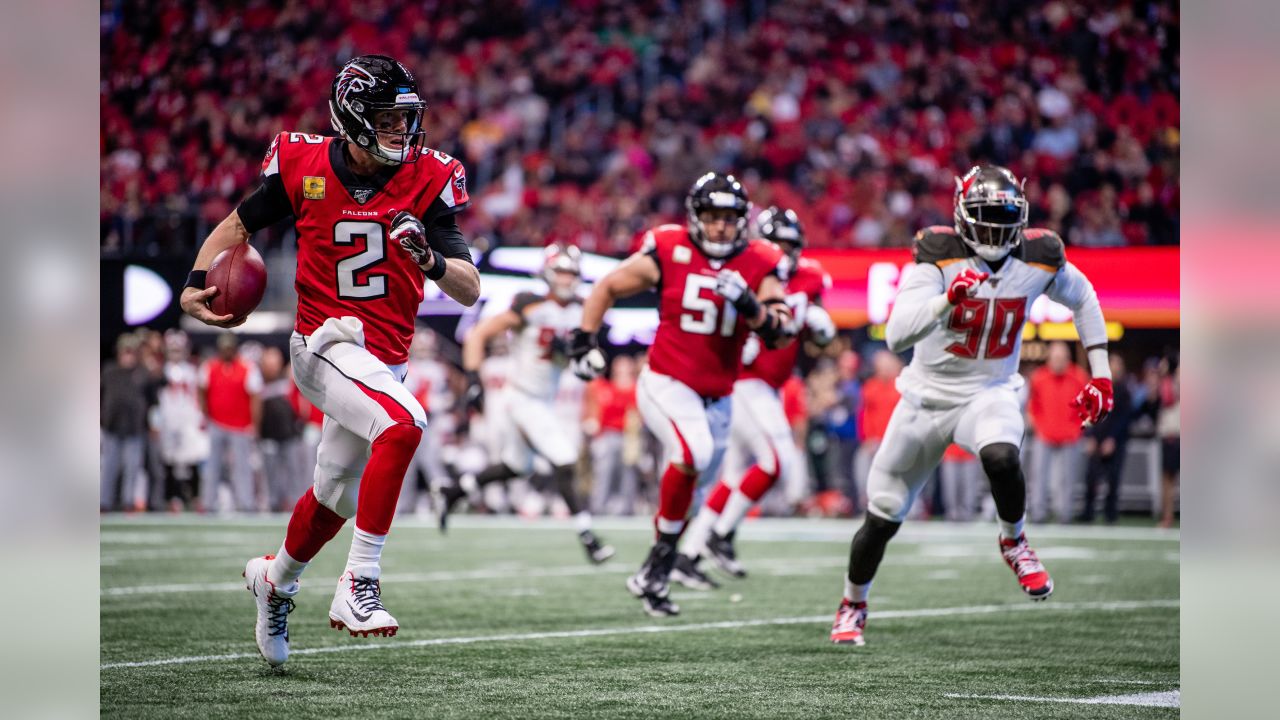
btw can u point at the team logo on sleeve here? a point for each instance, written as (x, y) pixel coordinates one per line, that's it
(313, 187)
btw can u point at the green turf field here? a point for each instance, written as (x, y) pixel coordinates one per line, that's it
(504, 618)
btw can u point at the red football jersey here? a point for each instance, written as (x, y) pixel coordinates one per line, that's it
(345, 266)
(700, 336)
(807, 283)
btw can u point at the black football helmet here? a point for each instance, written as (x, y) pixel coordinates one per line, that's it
(370, 84)
(991, 211)
(782, 228)
(715, 191)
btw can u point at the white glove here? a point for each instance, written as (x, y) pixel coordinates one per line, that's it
(751, 350)
(731, 285)
(589, 366)
(819, 323)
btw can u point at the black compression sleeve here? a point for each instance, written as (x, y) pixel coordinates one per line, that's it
(444, 236)
(267, 205)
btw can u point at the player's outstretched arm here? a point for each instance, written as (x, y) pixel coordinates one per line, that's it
(1071, 288)
(479, 336)
(194, 300)
(921, 303)
(634, 275)
(631, 277)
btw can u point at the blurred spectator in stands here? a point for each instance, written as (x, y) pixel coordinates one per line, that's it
(230, 395)
(1055, 452)
(842, 428)
(879, 396)
(124, 424)
(1105, 446)
(179, 424)
(280, 435)
(151, 356)
(609, 412)
(795, 403)
(961, 479)
(1169, 430)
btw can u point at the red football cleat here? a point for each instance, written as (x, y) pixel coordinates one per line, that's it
(1032, 576)
(851, 618)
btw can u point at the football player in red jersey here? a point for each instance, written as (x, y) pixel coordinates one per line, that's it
(352, 199)
(715, 286)
(759, 428)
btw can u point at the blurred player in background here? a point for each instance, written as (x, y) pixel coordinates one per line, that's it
(759, 428)
(373, 210)
(962, 307)
(526, 424)
(428, 380)
(178, 423)
(715, 287)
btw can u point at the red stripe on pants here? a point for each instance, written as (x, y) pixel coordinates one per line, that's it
(756, 482)
(718, 497)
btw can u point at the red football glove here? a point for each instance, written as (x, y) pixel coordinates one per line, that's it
(965, 283)
(1094, 402)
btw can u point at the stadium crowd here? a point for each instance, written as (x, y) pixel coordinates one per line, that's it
(587, 126)
(228, 431)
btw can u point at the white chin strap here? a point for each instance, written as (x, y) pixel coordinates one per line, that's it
(390, 156)
(991, 253)
(715, 249)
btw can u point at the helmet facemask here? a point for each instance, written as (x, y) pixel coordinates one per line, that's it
(782, 228)
(991, 224)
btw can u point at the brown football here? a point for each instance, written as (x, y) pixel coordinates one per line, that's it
(241, 279)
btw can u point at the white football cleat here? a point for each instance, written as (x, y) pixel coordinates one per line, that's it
(357, 604)
(274, 605)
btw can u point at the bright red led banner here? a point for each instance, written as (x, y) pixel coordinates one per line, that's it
(1138, 287)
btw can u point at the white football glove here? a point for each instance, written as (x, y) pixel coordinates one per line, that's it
(819, 323)
(751, 350)
(589, 366)
(731, 286)
(410, 233)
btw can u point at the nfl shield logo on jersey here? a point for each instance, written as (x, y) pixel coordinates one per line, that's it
(361, 195)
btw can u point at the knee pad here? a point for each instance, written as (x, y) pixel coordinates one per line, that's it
(403, 435)
(339, 494)
(1000, 461)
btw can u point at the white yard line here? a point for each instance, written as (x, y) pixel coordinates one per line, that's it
(1168, 698)
(655, 629)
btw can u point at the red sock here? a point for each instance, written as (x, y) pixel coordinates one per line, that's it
(675, 494)
(756, 482)
(718, 497)
(383, 476)
(310, 527)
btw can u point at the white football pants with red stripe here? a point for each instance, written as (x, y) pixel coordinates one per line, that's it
(694, 432)
(360, 396)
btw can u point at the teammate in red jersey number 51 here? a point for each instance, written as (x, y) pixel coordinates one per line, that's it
(374, 212)
(715, 287)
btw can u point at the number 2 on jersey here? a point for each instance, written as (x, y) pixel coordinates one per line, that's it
(704, 323)
(375, 251)
(970, 317)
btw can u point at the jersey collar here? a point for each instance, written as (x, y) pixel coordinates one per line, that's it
(361, 188)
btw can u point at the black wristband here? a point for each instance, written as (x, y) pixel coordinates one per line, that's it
(438, 268)
(747, 305)
(196, 279)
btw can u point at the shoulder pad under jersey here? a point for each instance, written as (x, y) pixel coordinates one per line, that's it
(938, 243)
(1042, 247)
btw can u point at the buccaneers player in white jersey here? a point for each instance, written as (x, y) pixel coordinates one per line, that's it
(759, 429)
(715, 287)
(962, 307)
(357, 299)
(527, 425)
